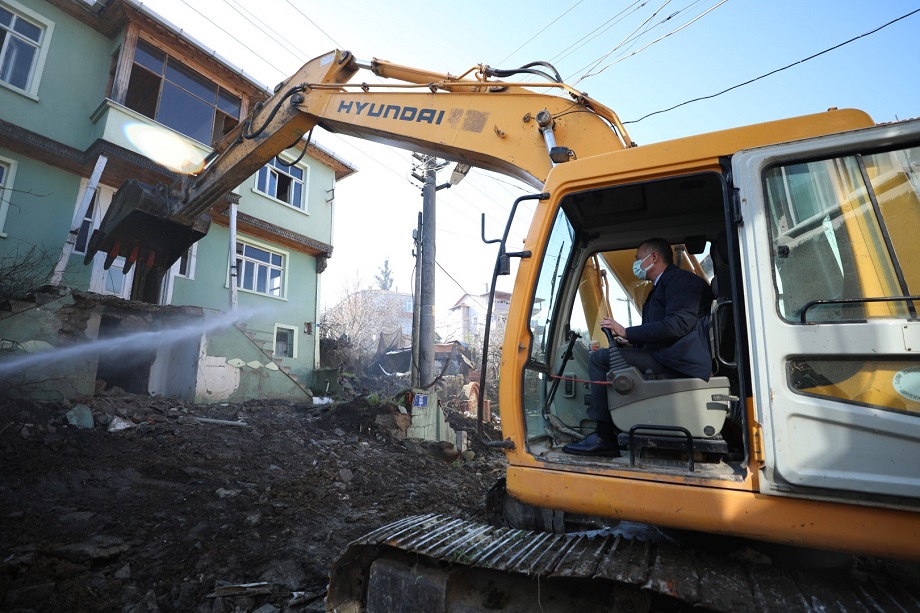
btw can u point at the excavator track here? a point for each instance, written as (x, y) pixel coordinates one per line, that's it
(437, 563)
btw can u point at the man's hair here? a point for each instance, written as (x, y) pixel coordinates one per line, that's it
(661, 247)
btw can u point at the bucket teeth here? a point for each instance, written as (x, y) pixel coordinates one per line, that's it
(138, 226)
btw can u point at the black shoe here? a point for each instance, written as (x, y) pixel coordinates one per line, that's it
(593, 444)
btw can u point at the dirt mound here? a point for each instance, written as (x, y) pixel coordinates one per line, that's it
(136, 504)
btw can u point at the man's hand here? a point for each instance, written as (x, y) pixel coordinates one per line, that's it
(615, 327)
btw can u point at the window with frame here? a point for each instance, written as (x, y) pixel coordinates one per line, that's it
(284, 342)
(86, 226)
(841, 236)
(165, 90)
(259, 270)
(185, 266)
(284, 183)
(23, 42)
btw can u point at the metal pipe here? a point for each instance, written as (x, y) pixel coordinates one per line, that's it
(234, 273)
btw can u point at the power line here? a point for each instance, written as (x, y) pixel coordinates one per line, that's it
(297, 53)
(584, 40)
(641, 32)
(465, 291)
(659, 39)
(543, 29)
(307, 17)
(212, 22)
(772, 72)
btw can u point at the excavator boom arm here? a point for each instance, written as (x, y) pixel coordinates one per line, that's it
(494, 125)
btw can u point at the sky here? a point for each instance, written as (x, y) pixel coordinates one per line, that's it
(635, 57)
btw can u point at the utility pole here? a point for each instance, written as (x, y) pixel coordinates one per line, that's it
(425, 305)
(426, 317)
(416, 301)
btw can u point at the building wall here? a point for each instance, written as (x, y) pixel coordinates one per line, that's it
(41, 197)
(70, 107)
(315, 222)
(210, 289)
(72, 83)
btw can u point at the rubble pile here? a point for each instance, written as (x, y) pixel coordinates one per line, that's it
(137, 504)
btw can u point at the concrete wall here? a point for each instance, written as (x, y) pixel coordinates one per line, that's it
(66, 343)
(31, 329)
(428, 420)
(231, 367)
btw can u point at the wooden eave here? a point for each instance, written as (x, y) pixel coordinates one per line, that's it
(339, 167)
(261, 229)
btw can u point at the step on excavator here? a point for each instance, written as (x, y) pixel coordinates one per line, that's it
(787, 481)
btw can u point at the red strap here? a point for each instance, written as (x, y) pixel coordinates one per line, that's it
(579, 380)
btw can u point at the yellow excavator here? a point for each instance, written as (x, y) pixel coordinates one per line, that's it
(802, 448)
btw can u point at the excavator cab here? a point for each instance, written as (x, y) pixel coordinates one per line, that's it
(587, 275)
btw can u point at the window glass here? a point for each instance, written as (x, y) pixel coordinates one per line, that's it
(284, 342)
(17, 62)
(284, 183)
(297, 193)
(114, 281)
(191, 81)
(86, 226)
(261, 271)
(20, 43)
(840, 232)
(185, 113)
(228, 103)
(28, 30)
(149, 57)
(162, 88)
(553, 267)
(879, 382)
(186, 264)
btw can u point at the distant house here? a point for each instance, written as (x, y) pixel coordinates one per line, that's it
(465, 320)
(85, 83)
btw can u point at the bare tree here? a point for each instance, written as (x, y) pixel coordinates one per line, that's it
(361, 317)
(24, 270)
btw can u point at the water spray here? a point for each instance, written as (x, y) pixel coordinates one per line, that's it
(116, 345)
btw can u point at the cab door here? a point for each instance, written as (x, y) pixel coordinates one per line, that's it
(830, 246)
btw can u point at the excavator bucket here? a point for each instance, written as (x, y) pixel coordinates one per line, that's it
(138, 227)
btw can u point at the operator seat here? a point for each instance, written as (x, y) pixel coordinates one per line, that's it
(667, 407)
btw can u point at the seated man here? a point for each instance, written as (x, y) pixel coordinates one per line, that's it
(672, 339)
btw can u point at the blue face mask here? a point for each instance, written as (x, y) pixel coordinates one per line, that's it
(638, 270)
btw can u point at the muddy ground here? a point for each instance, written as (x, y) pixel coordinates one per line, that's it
(174, 511)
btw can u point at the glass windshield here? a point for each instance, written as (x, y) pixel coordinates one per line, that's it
(842, 236)
(556, 257)
(545, 302)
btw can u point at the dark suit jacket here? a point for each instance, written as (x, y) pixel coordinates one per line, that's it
(675, 320)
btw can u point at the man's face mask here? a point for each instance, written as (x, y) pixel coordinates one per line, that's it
(638, 270)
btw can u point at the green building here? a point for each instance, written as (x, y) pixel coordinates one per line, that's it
(110, 85)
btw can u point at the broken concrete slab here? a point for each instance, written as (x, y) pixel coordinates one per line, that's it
(80, 416)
